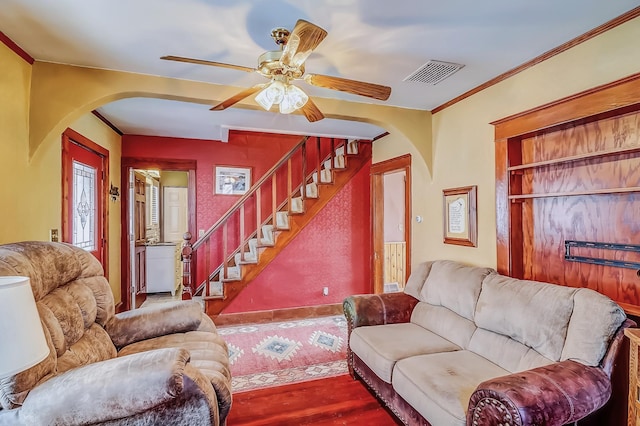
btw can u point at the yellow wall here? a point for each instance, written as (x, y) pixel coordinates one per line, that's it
(31, 189)
(463, 143)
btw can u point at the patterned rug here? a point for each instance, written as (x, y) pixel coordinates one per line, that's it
(273, 354)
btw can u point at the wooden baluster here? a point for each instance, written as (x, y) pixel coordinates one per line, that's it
(303, 188)
(319, 164)
(274, 203)
(207, 267)
(225, 267)
(333, 153)
(241, 233)
(258, 214)
(289, 188)
(187, 251)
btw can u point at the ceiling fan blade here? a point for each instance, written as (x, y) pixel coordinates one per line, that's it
(311, 111)
(361, 88)
(304, 38)
(204, 62)
(237, 98)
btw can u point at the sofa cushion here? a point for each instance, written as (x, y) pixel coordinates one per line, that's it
(439, 385)
(381, 346)
(505, 352)
(455, 286)
(593, 323)
(444, 322)
(417, 278)
(533, 313)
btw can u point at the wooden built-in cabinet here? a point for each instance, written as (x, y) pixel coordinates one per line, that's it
(570, 170)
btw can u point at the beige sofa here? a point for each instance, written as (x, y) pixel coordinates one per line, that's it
(163, 365)
(465, 345)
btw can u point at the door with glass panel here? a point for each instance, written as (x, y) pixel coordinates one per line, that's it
(83, 195)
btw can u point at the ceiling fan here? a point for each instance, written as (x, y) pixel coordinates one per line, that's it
(286, 65)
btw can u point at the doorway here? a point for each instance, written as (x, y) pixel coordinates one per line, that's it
(85, 169)
(161, 192)
(391, 222)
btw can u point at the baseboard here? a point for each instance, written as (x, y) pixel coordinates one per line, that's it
(119, 307)
(257, 317)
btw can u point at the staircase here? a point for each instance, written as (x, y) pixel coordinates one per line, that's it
(267, 218)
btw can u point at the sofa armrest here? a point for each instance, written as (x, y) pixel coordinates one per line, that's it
(378, 309)
(557, 394)
(107, 390)
(154, 321)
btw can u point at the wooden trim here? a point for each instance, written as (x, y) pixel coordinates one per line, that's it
(106, 121)
(377, 232)
(622, 93)
(380, 136)
(392, 164)
(119, 307)
(377, 171)
(71, 135)
(17, 49)
(286, 314)
(159, 163)
(128, 163)
(632, 14)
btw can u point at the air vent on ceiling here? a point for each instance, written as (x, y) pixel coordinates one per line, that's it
(433, 72)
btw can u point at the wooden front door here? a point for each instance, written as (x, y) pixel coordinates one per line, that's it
(84, 173)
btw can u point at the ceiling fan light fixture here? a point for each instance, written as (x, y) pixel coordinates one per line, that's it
(294, 98)
(272, 94)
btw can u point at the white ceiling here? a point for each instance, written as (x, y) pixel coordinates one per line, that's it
(378, 41)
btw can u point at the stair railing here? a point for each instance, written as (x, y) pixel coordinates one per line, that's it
(203, 248)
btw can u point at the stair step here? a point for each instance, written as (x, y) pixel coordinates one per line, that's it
(233, 274)
(338, 162)
(297, 205)
(216, 290)
(326, 176)
(249, 258)
(311, 190)
(282, 220)
(352, 148)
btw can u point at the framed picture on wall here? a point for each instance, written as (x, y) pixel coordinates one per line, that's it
(229, 180)
(460, 216)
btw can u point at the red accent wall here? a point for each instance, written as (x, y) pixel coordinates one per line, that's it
(260, 151)
(332, 251)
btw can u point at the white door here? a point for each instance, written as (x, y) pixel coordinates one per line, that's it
(175, 213)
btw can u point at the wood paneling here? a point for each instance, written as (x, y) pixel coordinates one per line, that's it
(326, 402)
(394, 263)
(577, 180)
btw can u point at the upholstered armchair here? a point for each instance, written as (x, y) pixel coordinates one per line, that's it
(162, 365)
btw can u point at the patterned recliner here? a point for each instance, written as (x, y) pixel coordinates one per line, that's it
(161, 365)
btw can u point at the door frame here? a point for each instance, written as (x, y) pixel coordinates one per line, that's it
(378, 170)
(127, 164)
(70, 136)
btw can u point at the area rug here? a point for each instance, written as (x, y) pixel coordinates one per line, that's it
(273, 354)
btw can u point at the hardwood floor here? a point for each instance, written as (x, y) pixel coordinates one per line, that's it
(325, 402)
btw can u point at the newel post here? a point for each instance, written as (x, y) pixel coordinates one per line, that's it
(187, 250)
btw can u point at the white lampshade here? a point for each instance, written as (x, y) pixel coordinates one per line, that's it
(272, 94)
(23, 341)
(294, 98)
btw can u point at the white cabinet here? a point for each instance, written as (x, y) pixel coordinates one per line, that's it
(161, 268)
